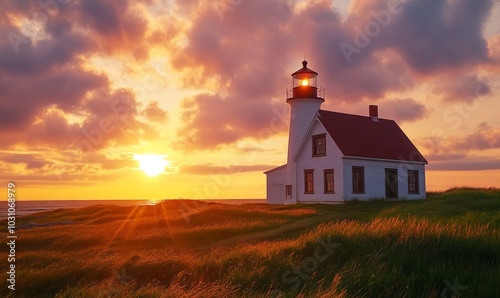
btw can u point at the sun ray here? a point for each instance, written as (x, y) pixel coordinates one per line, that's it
(115, 234)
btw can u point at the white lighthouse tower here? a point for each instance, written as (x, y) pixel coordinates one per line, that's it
(305, 99)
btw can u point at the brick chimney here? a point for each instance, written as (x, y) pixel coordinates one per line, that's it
(373, 111)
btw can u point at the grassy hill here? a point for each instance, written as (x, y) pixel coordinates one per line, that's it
(445, 246)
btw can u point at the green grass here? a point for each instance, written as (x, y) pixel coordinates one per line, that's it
(430, 248)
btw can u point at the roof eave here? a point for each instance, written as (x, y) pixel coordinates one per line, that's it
(275, 169)
(424, 162)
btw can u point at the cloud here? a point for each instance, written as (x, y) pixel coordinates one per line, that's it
(240, 58)
(410, 46)
(30, 160)
(464, 88)
(210, 121)
(50, 97)
(441, 148)
(118, 26)
(466, 164)
(107, 163)
(209, 169)
(49, 167)
(245, 78)
(110, 118)
(402, 110)
(431, 36)
(442, 156)
(457, 153)
(367, 74)
(47, 54)
(483, 138)
(396, 44)
(154, 113)
(64, 87)
(55, 105)
(494, 51)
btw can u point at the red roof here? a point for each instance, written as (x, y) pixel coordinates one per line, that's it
(361, 136)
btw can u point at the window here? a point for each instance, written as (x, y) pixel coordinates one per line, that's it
(329, 188)
(308, 181)
(358, 180)
(288, 191)
(413, 186)
(319, 145)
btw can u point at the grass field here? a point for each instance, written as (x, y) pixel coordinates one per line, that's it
(445, 246)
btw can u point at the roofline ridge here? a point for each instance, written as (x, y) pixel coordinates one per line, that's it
(385, 119)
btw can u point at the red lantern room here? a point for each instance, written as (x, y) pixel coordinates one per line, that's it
(304, 83)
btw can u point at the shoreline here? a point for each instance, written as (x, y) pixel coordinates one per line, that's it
(29, 207)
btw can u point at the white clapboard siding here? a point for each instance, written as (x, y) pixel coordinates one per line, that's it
(332, 160)
(375, 178)
(275, 181)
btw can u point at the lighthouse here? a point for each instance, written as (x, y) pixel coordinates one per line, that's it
(305, 99)
(336, 157)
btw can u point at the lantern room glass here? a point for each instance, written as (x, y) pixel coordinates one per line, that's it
(304, 79)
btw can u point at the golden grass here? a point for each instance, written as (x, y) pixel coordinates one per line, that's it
(212, 250)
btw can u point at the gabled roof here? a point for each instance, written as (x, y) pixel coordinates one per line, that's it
(367, 137)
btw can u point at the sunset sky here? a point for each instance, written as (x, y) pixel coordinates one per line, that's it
(90, 89)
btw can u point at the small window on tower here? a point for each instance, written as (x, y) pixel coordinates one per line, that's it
(319, 145)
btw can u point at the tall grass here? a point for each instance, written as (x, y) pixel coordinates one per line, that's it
(449, 242)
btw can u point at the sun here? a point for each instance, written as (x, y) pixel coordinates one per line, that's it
(151, 164)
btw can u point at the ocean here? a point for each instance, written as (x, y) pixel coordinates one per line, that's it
(30, 207)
